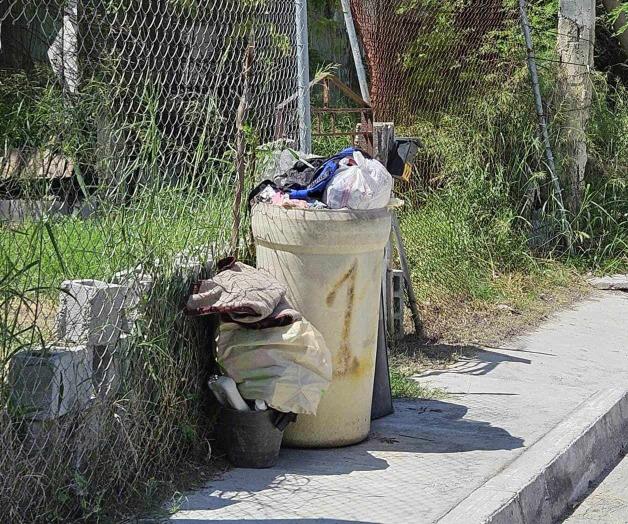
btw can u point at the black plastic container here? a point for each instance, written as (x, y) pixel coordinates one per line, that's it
(251, 439)
(401, 157)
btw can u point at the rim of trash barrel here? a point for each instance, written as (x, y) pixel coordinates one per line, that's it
(393, 205)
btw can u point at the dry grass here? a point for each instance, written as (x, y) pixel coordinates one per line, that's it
(526, 301)
(457, 326)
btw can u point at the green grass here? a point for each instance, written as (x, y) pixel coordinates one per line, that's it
(404, 386)
(157, 423)
(115, 238)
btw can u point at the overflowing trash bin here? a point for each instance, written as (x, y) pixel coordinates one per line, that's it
(329, 257)
(331, 263)
(297, 340)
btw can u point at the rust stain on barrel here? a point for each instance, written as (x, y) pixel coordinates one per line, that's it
(346, 363)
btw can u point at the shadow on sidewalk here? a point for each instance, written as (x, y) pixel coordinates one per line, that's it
(418, 428)
(435, 426)
(480, 361)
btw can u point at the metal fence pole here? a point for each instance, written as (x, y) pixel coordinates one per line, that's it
(538, 101)
(355, 49)
(303, 65)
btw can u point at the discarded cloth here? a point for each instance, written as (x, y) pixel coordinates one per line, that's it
(264, 192)
(323, 176)
(268, 193)
(289, 367)
(300, 175)
(240, 293)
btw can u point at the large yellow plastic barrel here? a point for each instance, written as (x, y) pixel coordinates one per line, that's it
(331, 263)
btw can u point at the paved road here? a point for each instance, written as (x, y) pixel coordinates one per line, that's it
(608, 503)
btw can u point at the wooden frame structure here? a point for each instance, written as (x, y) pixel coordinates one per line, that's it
(363, 134)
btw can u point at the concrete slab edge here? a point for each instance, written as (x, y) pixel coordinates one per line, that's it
(543, 483)
(610, 282)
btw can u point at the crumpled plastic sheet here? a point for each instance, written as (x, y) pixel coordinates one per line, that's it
(290, 367)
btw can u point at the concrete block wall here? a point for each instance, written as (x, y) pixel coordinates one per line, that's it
(66, 382)
(138, 284)
(51, 382)
(90, 312)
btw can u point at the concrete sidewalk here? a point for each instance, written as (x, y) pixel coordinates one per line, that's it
(428, 457)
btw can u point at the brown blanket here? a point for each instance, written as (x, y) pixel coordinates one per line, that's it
(242, 294)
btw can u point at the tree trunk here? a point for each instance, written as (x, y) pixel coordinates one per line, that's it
(576, 33)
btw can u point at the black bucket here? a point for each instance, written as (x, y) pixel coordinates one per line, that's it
(252, 439)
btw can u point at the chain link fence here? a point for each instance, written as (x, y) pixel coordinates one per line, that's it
(123, 123)
(127, 126)
(483, 195)
(453, 76)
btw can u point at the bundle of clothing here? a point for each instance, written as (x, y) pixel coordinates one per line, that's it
(272, 353)
(242, 294)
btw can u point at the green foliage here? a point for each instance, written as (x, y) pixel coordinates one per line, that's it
(460, 238)
(32, 108)
(615, 14)
(482, 206)
(403, 386)
(157, 420)
(601, 225)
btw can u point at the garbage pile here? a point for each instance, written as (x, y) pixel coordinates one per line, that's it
(270, 355)
(351, 179)
(275, 364)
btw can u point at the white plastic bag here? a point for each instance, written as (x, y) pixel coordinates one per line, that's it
(366, 185)
(289, 367)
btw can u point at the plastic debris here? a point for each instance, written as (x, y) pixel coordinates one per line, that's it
(226, 392)
(289, 367)
(365, 184)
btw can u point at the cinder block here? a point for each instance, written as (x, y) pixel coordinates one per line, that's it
(20, 210)
(110, 366)
(398, 301)
(198, 261)
(48, 383)
(90, 311)
(395, 303)
(138, 285)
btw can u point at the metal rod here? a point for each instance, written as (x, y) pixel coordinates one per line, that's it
(538, 101)
(416, 318)
(355, 49)
(241, 160)
(303, 65)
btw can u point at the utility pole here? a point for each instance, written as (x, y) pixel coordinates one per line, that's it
(576, 34)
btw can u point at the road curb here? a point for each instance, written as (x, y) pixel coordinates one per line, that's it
(542, 484)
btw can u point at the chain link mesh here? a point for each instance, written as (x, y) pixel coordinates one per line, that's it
(126, 127)
(448, 74)
(122, 123)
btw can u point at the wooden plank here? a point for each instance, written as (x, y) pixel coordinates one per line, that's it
(383, 139)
